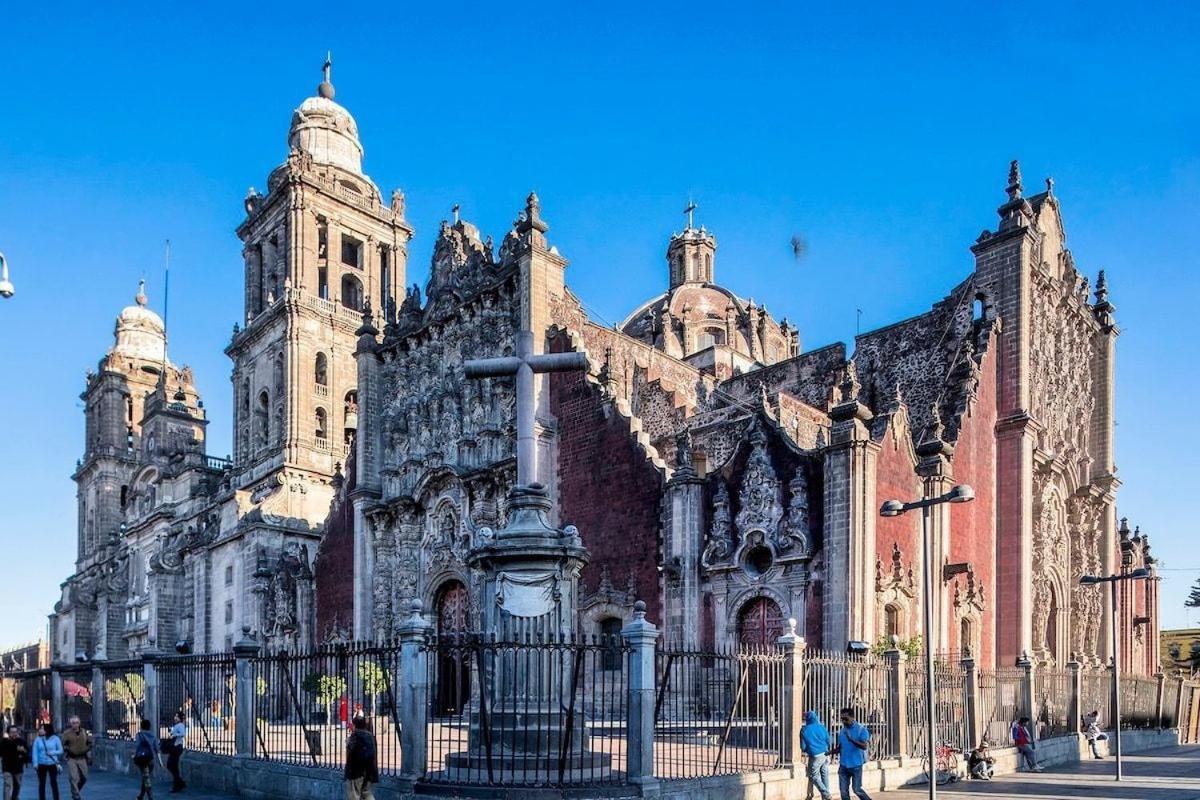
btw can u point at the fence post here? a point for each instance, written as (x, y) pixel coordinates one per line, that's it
(897, 699)
(99, 701)
(1161, 680)
(244, 712)
(1074, 696)
(1179, 721)
(57, 698)
(150, 687)
(641, 636)
(1027, 705)
(414, 684)
(971, 698)
(792, 698)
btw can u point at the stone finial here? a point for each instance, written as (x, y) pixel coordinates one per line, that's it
(683, 451)
(1123, 528)
(936, 430)
(1049, 186)
(140, 297)
(1014, 180)
(1101, 288)
(368, 324)
(897, 398)
(850, 386)
(639, 610)
(531, 218)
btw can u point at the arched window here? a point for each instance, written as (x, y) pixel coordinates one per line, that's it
(264, 418)
(966, 636)
(321, 370)
(892, 625)
(709, 337)
(321, 424)
(610, 640)
(708, 276)
(352, 293)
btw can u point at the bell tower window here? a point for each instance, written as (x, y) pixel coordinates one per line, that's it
(321, 370)
(321, 428)
(352, 293)
(351, 252)
(264, 418)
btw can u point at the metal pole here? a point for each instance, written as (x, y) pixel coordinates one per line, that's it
(1116, 691)
(930, 746)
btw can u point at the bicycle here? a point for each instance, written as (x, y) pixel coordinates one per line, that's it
(946, 758)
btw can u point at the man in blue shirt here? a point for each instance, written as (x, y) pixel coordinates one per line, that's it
(852, 747)
(814, 741)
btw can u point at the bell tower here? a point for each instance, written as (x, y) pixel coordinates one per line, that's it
(319, 247)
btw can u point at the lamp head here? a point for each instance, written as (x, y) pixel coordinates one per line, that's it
(1140, 572)
(961, 494)
(891, 508)
(1088, 580)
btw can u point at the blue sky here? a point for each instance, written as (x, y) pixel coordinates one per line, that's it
(882, 136)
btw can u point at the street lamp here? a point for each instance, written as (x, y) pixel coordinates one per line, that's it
(961, 493)
(6, 287)
(1113, 580)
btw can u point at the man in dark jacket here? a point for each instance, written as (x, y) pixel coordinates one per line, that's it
(362, 767)
(14, 755)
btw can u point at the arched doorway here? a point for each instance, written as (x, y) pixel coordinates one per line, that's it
(760, 622)
(454, 666)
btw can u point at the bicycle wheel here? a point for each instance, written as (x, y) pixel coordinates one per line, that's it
(941, 775)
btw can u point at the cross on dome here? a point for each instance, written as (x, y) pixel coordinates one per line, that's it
(326, 88)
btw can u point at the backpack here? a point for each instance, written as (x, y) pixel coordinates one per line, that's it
(143, 754)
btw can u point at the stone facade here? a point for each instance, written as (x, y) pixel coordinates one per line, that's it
(712, 469)
(181, 549)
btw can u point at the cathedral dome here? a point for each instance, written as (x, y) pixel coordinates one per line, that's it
(139, 332)
(326, 131)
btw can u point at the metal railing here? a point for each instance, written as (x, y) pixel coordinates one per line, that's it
(1139, 702)
(201, 688)
(77, 694)
(1052, 701)
(1096, 696)
(950, 706)
(25, 698)
(539, 712)
(835, 680)
(718, 713)
(1172, 688)
(124, 698)
(306, 703)
(1000, 702)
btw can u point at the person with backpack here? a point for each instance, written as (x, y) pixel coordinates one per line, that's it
(47, 759)
(145, 746)
(1023, 739)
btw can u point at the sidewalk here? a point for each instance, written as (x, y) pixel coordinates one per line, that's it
(1171, 773)
(112, 786)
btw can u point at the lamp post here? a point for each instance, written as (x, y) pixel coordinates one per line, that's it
(6, 287)
(1112, 581)
(894, 508)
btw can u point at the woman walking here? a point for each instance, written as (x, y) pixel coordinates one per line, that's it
(145, 750)
(178, 734)
(47, 759)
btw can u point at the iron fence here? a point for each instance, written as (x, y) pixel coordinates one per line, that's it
(1139, 700)
(77, 695)
(835, 680)
(1096, 696)
(25, 698)
(540, 711)
(1000, 702)
(305, 704)
(1052, 699)
(200, 687)
(718, 712)
(950, 705)
(124, 698)
(1172, 687)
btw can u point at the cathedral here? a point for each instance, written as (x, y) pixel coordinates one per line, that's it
(713, 468)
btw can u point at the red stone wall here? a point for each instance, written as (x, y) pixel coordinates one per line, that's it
(896, 479)
(608, 489)
(333, 571)
(973, 525)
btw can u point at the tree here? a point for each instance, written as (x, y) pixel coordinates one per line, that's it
(1193, 600)
(326, 689)
(910, 647)
(375, 680)
(129, 690)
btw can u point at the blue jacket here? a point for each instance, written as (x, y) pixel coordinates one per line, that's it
(851, 754)
(47, 750)
(814, 737)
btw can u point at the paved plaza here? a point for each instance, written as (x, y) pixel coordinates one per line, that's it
(1167, 774)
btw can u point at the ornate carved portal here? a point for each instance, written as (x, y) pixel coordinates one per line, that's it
(453, 674)
(760, 622)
